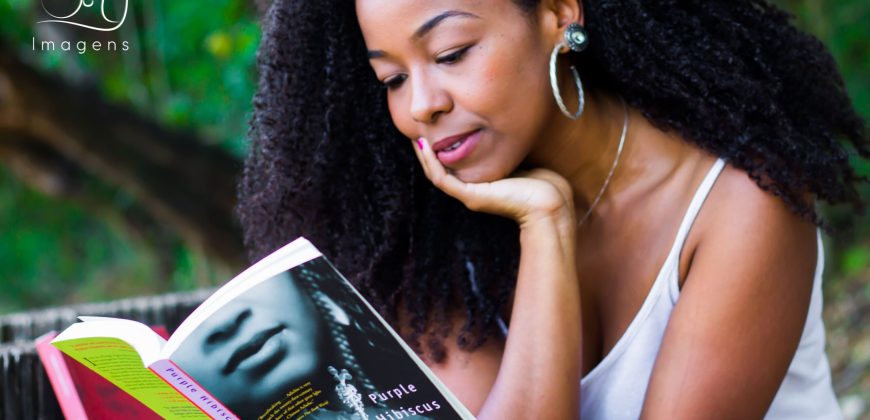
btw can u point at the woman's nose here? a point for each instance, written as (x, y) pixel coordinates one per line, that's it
(428, 101)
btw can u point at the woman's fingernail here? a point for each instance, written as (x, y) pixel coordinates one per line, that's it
(420, 143)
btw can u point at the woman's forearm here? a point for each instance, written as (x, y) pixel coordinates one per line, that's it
(540, 373)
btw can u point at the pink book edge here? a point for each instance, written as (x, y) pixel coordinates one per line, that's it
(60, 378)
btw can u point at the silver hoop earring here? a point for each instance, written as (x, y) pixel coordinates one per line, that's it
(554, 83)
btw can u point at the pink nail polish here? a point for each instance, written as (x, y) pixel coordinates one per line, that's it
(420, 143)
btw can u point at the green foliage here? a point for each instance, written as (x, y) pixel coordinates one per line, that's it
(54, 252)
(855, 259)
(188, 66)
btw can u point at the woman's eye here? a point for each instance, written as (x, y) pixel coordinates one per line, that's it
(452, 57)
(228, 329)
(394, 82)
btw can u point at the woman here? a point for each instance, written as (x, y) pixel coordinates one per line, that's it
(647, 225)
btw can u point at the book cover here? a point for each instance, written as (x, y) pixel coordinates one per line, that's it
(287, 338)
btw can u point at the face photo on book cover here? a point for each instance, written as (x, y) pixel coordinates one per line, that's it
(286, 332)
(252, 349)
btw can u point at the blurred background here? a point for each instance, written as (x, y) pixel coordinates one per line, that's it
(119, 151)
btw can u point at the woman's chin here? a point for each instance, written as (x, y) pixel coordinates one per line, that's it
(476, 174)
(471, 176)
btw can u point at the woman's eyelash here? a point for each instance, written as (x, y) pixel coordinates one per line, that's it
(395, 82)
(453, 57)
(226, 331)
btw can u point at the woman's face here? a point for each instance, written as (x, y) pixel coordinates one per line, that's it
(456, 67)
(252, 348)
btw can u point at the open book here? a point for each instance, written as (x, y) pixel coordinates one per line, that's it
(287, 338)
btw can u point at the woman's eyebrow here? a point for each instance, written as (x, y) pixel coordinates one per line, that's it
(427, 27)
(435, 21)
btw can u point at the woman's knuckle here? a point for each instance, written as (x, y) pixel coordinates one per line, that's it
(437, 179)
(473, 204)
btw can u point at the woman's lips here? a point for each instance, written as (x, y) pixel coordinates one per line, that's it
(457, 149)
(251, 348)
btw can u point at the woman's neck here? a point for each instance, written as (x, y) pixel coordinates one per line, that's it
(583, 151)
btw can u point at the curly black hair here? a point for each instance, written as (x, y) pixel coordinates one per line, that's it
(733, 77)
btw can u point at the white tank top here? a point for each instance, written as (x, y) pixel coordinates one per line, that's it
(615, 388)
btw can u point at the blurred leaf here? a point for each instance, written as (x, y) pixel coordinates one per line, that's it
(219, 44)
(855, 260)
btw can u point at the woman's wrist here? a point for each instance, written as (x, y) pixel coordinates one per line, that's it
(562, 219)
(550, 230)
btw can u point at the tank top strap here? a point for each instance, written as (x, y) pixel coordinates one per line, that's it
(694, 208)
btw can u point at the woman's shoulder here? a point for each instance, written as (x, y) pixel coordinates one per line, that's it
(744, 224)
(744, 302)
(737, 202)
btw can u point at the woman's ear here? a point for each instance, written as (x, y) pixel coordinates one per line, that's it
(555, 15)
(565, 11)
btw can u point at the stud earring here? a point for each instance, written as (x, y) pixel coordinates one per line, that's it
(576, 37)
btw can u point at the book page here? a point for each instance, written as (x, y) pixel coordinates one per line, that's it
(118, 362)
(139, 336)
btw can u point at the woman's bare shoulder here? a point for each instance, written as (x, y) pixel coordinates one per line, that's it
(742, 309)
(740, 215)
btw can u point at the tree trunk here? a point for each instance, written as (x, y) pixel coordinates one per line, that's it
(53, 134)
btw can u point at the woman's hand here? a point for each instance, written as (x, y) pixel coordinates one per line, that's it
(525, 197)
(539, 371)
